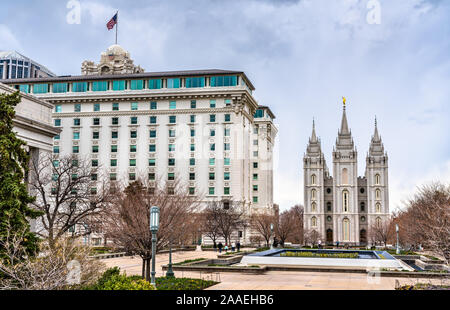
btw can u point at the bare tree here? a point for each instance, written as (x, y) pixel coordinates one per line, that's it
(230, 217)
(382, 232)
(60, 267)
(126, 223)
(312, 237)
(68, 194)
(286, 226)
(297, 215)
(261, 224)
(426, 219)
(209, 221)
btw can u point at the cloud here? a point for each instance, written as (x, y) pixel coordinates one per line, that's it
(8, 39)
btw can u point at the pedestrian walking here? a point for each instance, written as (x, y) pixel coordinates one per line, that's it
(220, 246)
(233, 246)
(238, 246)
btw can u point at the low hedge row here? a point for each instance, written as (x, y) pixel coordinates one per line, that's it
(311, 254)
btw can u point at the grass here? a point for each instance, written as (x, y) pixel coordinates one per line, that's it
(312, 254)
(189, 261)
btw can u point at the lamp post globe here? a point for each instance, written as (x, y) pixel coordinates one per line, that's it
(397, 251)
(271, 233)
(154, 226)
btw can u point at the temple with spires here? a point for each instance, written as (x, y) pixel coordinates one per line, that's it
(345, 207)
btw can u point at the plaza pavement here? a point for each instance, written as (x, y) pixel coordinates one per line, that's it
(271, 280)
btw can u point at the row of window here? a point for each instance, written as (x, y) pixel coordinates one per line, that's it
(377, 180)
(345, 195)
(362, 205)
(134, 106)
(120, 85)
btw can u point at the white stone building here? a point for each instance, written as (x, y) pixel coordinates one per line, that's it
(343, 207)
(202, 127)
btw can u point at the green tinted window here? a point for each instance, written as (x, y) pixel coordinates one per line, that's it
(24, 88)
(79, 87)
(118, 85)
(137, 84)
(100, 86)
(40, 88)
(60, 87)
(154, 84)
(195, 82)
(173, 83)
(219, 81)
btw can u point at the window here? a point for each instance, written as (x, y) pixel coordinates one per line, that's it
(255, 165)
(114, 134)
(329, 218)
(79, 87)
(171, 161)
(314, 222)
(113, 148)
(255, 177)
(212, 161)
(363, 219)
(193, 104)
(212, 190)
(227, 132)
(212, 118)
(227, 118)
(136, 84)
(171, 147)
(96, 107)
(313, 194)
(94, 177)
(195, 82)
(133, 148)
(226, 146)
(96, 121)
(118, 85)
(378, 207)
(113, 177)
(172, 105)
(192, 132)
(192, 161)
(226, 176)
(345, 201)
(57, 122)
(171, 176)
(152, 148)
(226, 161)
(220, 81)
(100, 86)
(132, 162)
(313, 179)
(192, 176)
(40, 88)
(77, 107)
(259, 113)
(153, 105)
(75, 149)
(212, 176)
(113, 162)
(58, 108)
(328, 206)
(56, 163)
(134, 120)
(363, 207)
(173, 83)
(154, 84)
(192, 118)
(226, 191)
(172, 119)
(133, 134)
(227, 102)
(115, 121)
(377, 194)
(94, 163)
(152, 177)
(152, 133)
(361, 190)
(346, 229)
(256, 130)
(377, 179)
(313, 207)
(132, 176)
(76, 136)
(212, 132)
(255, 199)
(115, 107)
(255, 142)
(191, 190)
(134, 106)
(22, 88)
(152, 162)
(172, 133)
(60, 87)
(328, 190)
(378, 222)
(56, 150)
(153, 119)
(212, 103)
(57, 137)
(212, 147)
(192, 147)
(95, 149)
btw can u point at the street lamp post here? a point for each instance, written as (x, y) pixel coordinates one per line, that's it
(170, 273)
(397, 251)
(154, 226)
(271, 233)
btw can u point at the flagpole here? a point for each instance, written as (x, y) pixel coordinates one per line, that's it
(117, 25)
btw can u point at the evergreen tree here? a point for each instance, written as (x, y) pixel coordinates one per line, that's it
(14, 198)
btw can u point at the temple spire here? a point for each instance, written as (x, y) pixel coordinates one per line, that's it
(314, 136)
(344, 123)
(376, 135)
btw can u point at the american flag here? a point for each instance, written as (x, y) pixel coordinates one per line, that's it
(112, 22)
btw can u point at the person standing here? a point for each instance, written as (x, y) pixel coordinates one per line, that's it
(220, 246)
(226, 248)
(238, 246)
(233, 246)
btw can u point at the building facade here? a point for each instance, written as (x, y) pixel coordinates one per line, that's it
(343, 207)
(14, 65)
(202, 127)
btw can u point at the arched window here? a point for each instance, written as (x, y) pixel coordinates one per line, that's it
(363, 207)
(345, 200)
(377, 194)
(329, 206)
(344, 179)
(313, 194)
(378, 222)
(377, 179)
(313, 207)
(314, 222)
(346, 229)
(378, 207)
(313, 179)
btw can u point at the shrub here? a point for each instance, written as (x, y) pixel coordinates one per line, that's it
(189, 261)
(327, 255)
(124, 283)
(175, 284)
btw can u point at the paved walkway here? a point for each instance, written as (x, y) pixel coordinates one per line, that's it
(272, 280)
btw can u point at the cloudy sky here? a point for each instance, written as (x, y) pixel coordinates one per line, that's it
(302, 56)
